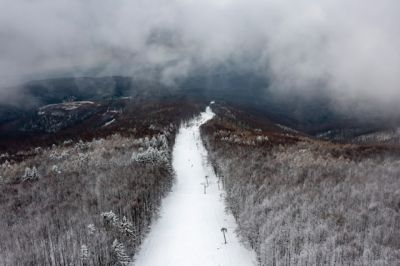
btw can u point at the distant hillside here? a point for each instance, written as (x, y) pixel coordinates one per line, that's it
(317, 115)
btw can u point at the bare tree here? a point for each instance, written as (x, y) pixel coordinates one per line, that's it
(301, 201)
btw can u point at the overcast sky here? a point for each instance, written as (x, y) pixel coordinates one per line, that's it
(350, 46)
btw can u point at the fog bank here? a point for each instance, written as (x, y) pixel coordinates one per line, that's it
(346, 49)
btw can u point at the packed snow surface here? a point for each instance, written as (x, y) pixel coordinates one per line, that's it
(188, 231)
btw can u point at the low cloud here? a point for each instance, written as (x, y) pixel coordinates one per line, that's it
(347, 49)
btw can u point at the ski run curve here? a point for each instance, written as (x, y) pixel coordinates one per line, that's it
(188, 231)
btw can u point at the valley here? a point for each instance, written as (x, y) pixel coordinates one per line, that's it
(111, 181)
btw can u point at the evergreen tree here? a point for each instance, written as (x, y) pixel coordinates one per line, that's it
(122, 257)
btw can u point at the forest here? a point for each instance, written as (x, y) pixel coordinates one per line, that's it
(90, 201)
(299, 200)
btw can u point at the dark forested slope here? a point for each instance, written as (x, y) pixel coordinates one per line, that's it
(314, 113)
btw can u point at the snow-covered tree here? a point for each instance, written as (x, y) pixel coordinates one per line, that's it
(126, 227)
(31, 174)
(307, 202)
(84, 253)
(81, 146)
(91, 229)
(110, 218)
(151, 156)
(122, 257)
(56, 169)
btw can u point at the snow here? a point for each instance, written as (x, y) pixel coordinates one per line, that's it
(109, 123)
(188, 231)
(285, 128)
(68, 106)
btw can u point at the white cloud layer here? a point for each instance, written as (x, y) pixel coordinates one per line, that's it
(347, 48)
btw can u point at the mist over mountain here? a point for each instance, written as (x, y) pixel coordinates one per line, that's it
(316, 114)
(346, 51)
(209, 132)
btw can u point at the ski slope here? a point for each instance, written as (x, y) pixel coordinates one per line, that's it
(188, 231)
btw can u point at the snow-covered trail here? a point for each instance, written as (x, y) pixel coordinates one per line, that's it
(188, 231)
